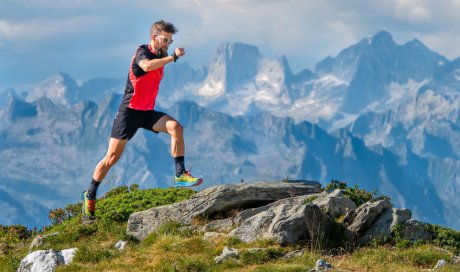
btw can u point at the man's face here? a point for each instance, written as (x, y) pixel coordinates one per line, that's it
(162, 41)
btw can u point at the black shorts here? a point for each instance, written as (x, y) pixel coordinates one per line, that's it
(129, 120)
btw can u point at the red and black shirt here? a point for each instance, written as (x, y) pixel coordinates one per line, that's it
(142, 87)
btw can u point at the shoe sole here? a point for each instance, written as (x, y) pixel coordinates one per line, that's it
(187, 184)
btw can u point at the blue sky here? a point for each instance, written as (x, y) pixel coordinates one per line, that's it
(90, 38)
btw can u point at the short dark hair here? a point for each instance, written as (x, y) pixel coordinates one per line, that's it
(162, 25)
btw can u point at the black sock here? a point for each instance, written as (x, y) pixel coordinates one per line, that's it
(92, 190)
(180, 167)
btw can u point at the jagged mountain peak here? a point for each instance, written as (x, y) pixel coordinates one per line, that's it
(233, 64)
(232, 49)
(60, 88)
(345, 64)
(381, 37)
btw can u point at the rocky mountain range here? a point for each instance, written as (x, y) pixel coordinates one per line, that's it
(381, 115)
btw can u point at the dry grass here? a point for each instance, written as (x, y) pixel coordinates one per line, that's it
(177, 253)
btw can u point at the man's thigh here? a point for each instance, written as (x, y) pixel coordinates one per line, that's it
(164, 124)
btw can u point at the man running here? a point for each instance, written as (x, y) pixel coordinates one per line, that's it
(137, 111)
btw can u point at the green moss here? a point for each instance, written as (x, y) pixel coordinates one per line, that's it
(311, 199)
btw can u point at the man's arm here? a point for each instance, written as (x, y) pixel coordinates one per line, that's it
(149, 65)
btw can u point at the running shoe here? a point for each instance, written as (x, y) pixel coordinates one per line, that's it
(187, 180)
(89, 206)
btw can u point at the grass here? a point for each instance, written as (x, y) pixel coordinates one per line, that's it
(178, 253)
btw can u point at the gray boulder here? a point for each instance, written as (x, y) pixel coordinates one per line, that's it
(366, 214)
(240, 217)
(222, 225)
(381, 229)
(287, 221)
(46, 260)
(215, 201)
(414, 231)
(335, 204)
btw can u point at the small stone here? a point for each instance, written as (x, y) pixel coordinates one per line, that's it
(40, 240)
(294, 254)
(322, 265)
(440, 264)
(455, 261)
(120, 245)
(227, 253)
(4, 248)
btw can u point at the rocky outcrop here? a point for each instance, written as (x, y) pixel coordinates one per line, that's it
(381, 229)
(216, 201)
(287, 221)
(285, 212)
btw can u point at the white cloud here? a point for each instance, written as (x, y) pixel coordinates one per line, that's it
(27, 34)
(412, 9)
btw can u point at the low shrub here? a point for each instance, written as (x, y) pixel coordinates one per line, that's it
(14, 233)
(445, 237)
(120, 203)
(357, 195)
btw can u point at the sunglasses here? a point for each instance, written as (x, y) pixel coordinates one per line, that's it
(165, 40)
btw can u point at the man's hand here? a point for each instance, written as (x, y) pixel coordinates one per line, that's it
(178, 52)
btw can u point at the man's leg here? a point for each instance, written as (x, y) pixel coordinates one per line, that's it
(169, 125)
(114, 152)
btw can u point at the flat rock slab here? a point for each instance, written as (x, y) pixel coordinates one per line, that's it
(216, 200)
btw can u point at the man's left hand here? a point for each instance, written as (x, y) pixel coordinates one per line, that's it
(179, 51)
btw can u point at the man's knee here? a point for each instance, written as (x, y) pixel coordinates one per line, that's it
(175, 128)
(111, 159)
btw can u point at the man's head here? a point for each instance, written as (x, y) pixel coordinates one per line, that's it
(161, 34)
